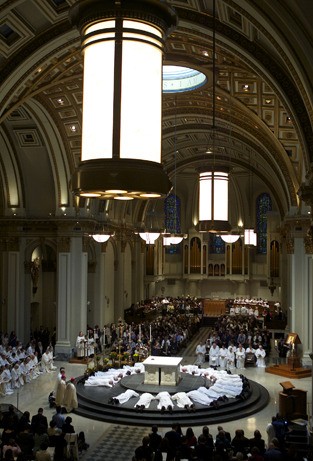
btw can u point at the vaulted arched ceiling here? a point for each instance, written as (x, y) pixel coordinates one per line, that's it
(263, 99)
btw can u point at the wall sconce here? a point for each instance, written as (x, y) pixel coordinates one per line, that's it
(272, 286)
(122, 44)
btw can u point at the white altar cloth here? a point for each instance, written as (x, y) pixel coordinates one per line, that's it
(162, 371)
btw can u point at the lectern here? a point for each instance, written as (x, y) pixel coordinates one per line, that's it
(293, 359)
(292, 402)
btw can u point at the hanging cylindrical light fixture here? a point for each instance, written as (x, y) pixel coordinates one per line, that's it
(122, 44)
(213, 180)
(213, 201)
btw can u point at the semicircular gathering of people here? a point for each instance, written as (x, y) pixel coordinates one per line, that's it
(141, 363)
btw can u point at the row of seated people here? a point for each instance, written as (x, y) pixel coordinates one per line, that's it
(177, 444)
(166, 335)
(33, 439)
(230, 330)
(230, 357)
(19, 367)
(258, 308)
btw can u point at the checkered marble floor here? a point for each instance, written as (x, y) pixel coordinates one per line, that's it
(117, 443)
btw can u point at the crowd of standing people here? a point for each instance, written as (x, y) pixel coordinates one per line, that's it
(178, 444)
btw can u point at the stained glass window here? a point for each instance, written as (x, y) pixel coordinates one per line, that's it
(263, 205)
(216, 244)
(172, 207)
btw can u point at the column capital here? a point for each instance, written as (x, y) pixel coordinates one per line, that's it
(64, 244)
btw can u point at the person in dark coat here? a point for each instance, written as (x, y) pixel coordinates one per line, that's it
(39, 422)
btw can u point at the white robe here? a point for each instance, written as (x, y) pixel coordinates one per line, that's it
(46, 363)
(200, 353)
(222, 356)
(214, 354)
(80, 346)
(60, 391)
(145, 400)
(6, 379)
(230, 361)
(125, 396)
(97, 381)
(70, 397)
(200, 397)
(182, 399)
(240, 357)
(164, 399)
(260, 357)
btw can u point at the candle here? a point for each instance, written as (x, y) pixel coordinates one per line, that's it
(140, 332)
(130, 333)
(275, 342)
(150, 334)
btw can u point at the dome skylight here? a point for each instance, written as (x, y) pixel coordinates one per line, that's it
(178, 79)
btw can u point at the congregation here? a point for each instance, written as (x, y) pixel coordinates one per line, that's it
(184, 445)
(166, 334)
(26, 438)
(234, 342)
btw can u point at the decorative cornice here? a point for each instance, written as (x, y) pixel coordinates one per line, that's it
(9, 244)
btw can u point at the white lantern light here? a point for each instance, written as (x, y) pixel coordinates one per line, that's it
(250, 237)
(122, 44)
(213, 201)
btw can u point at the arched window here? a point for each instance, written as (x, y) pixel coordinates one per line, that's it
(263, 205)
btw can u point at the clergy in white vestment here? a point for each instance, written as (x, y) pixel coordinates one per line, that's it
(200, 396)
(15, 378)
(6, 378)
(47, 361)
(240, 357)
(213, 355)
(51, 358)
(222, 357)
(165, 401)
(144, 400)
(99, 381)
(200, 353)
(230, 360)
(60, 391)
(90, 347)
(182, 400)
(80, 345)
(70, 396)
(260, 356)
(125, 396)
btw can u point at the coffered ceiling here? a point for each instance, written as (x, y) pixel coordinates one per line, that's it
(263, 99)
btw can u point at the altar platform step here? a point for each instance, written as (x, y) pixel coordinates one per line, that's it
(93, 404)
(288, 372)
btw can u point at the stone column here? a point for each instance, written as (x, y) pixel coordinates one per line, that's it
(15, 302)
(72, 294)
